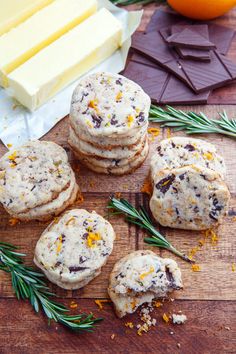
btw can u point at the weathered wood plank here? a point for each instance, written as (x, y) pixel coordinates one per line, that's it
(22, 331)
(216, 262)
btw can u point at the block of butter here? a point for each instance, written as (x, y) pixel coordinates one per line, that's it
(13, 12)
(41, 29)
(65, 60)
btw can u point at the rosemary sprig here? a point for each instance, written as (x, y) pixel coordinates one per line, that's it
(131, 2)
(142, 219)
(191, 122)
(29, 284)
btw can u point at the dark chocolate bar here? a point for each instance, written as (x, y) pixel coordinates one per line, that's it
(201, 29)
(221, 36)
(189, 38)
(194, 54)
(199, 76)
(187, 53)
(161, 86)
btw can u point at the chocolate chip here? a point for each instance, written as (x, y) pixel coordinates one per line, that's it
(97, 121)
(213, 216)
(84, 94)
(196, 209)
(119, 82)
(82, 259)
(198, 195)
(181, 177)
(173, 144)
(86, 111)
(141, 117)
(114, 121)
(104, 254)
(159, 151)
(84, 237)
(57, 264)
(189, 147)
(77, 269)
(116, 162)
(177, 211)
(164, 184)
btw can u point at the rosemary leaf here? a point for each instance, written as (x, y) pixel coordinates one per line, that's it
(29, 284)
(191, 122)
(143, 220)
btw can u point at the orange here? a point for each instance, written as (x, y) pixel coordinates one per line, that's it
(202, 9)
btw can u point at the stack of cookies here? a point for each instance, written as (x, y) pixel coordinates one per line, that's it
(72, 250)
(189, 191)
(36, 181)
(108, 123)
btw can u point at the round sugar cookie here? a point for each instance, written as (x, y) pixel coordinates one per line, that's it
(48, 211)
(88, 149)
(119, 168)
(180, 151)
(108, 143)
(190, 197)
(33, 175)
(105, 104)
(72, 250)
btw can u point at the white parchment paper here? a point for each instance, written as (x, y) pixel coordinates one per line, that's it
(18, 125)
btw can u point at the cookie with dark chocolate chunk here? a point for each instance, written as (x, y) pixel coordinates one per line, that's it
(181, 151)
(189, 197)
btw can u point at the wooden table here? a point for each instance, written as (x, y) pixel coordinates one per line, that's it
(208, 298)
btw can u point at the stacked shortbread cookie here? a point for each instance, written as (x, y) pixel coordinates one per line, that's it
(72, 250)
(108, 123)
(189, 191)
(36, 181)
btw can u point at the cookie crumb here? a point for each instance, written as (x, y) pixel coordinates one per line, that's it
(178, 319)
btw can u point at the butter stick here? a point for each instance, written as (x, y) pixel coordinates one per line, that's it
(65, 60)
(13, 12)
(40, 30)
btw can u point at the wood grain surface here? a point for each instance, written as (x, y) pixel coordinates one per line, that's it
(208, 298)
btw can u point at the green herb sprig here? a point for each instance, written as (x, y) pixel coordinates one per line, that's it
(191, 122)
(142, 219)
(131, 2)
(29, 284)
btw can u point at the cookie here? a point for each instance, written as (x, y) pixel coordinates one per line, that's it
(139, 278)
(105, 104)
(88, 149)
(33, 175)
(190, 197)
(119, 168)
(180, 151)
(57, 206)
(108, 143)
(72, 250)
